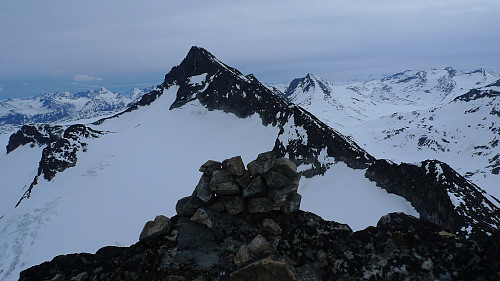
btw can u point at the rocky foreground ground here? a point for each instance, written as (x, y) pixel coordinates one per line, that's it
(245, 224)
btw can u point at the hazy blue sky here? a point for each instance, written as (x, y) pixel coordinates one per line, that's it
(55, 45)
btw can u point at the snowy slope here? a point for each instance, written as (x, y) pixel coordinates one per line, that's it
(413, 116)
(464, 133)
(148, 157)
(63, 106)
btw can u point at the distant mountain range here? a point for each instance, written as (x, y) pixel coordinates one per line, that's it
(64, 107)
(443, 114)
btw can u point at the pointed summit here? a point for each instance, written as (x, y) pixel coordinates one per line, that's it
(301, 88)
(197, 62)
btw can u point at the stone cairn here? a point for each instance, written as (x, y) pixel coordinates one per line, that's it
(268, 184)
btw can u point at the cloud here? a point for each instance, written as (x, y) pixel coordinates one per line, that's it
(85, 78)
(1, 89)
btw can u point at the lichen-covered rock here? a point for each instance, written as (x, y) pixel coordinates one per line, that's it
(202, 190)
(234, 204)
(285, 167)
(256, 187)
(160, 225)
(187, 206)
(275, 180)
(210, 166)
(224, 183)
(292, 204)
(258, 245)
(242, 256)
(259, 205)
(235, 166)
(272, 227)
(244, 179)
(204, 217)
(268, 269)
(262, 164)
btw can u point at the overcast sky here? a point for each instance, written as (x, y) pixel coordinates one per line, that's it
(55, 45)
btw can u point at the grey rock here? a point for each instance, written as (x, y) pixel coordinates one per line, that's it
(193, 236)
(81, 277)
(244, 179)
(258, 245)
(292, 204)
(160, 225)
(235, 166)
(187, 206)
(203, 190)
(216, 205)
(174, 278)
(234, 204)
(259, 205)
(226, 188)
(200, 278)
(262, 164)
(275, 180)
(268, 269)
(242, 256)
(285, 167)
(224, 183)
(210, 166)
(272, 227)
(204, 217)
(255, 187)
(280, 196)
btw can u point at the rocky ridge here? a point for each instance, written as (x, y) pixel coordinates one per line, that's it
(212, 240)
(62, 143)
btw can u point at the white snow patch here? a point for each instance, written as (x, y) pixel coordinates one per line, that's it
(345, 195)
(198, 79)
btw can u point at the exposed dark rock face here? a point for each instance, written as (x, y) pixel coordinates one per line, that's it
(302, 136)
(61, 147)
(497, 84)
(217, 86)
(440, 195)
(37, 134)
(474, 94)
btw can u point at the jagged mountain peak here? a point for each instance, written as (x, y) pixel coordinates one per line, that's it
(198, 61)
(301, 90)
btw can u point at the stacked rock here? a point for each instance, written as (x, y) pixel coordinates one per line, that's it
(268, 184)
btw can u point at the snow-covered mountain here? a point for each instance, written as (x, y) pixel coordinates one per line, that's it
(411, 116)
(64, 107)
(425, 88)
(84, 186)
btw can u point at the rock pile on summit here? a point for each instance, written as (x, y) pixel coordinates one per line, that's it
(269, 184)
